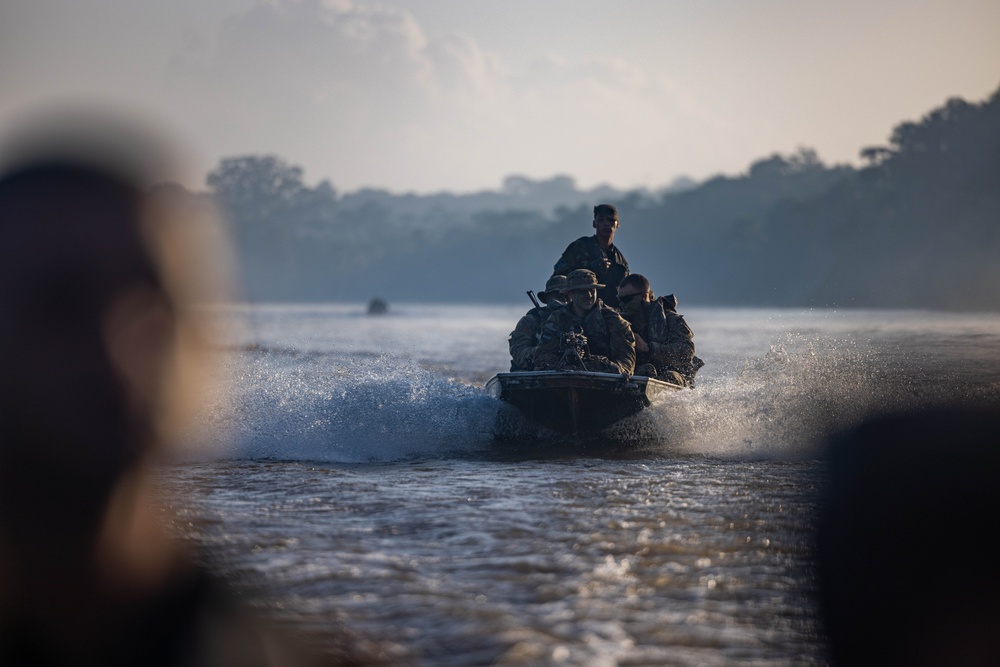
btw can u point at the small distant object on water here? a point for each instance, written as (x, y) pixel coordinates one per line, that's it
(378, 306)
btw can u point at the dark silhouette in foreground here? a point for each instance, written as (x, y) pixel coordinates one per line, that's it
(906, 540)
(98, 353)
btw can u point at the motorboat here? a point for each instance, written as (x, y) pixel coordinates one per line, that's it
(575, 402)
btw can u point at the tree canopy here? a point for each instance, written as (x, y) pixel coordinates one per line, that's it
(917, 226)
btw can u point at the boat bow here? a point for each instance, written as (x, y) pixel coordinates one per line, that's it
(576, 402)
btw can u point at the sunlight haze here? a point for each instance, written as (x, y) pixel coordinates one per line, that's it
(448, 95)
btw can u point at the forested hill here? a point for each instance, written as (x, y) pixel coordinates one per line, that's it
(919, 226)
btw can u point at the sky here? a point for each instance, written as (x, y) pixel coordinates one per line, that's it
(454, 95)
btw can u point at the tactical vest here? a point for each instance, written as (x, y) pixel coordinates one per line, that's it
(611, 276)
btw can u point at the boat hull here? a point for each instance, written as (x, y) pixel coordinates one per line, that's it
(577, 403)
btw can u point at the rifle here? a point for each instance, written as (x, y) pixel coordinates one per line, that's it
(574, 347)
(531, 295)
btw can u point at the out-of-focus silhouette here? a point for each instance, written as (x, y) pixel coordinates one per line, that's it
(906, 541)
(98, 362)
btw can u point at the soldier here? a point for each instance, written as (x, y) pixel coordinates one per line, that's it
(585, 334)
(664, 342)
(598, 254)
(523, 340)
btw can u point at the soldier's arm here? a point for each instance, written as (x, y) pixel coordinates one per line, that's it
(548, 353)
(622, 344)
(523, 340)
(574, 257)
(677, 345)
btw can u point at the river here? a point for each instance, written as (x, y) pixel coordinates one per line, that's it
(345, 467)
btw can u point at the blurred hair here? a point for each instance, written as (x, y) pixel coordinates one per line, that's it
(114, 143)
(101, 354)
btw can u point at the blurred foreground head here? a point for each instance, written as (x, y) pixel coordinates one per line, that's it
(100, 361)
(99, 351)
(906, 541)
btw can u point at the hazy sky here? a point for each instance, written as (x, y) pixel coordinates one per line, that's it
(431, 95)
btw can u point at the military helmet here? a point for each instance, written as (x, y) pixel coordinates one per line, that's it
(582, 279)
(554, 285)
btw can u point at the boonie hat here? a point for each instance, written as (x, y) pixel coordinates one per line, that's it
(554, 285)
(582, 279)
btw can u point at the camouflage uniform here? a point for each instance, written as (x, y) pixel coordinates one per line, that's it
(585, 253)
(523, 340)
(610, 343)
(670, 339)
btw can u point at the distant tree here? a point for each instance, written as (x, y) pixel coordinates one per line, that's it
(918, 226)
(803, 160)
(281, 227)
(875, 155)
(517, 185)
(557, 186)
(256, 176)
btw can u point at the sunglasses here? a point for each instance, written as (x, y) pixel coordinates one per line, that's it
(628, 298)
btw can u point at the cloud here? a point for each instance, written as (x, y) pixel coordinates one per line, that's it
(461, 66)
(312, 53)
(364, 96)
(298, 75)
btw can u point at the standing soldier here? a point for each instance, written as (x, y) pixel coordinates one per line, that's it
(598, 254)
(599, 337)
(664, 343)
(523, 340)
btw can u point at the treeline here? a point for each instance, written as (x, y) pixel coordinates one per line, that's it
(919, 226)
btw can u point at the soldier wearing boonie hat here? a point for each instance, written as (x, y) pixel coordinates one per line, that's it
(598, 254)
(523, 340)
(582, 279)
(554, 286)
(609, 346)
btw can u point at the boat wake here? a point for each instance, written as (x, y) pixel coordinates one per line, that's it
(337, 410)
(780, 405)
(785, 404)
